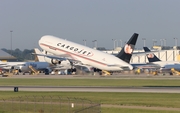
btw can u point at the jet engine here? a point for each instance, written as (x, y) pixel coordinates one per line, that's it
(55, 61)
(52, 61)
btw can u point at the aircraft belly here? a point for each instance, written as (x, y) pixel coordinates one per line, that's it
(106, 67)
(113, 68)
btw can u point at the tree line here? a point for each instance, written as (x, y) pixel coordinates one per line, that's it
(24, 55)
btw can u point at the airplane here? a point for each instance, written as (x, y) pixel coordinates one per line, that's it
(76, 53)
(34, 67)
(166, 66)
(152, 58)
(24, 67)
(9, 65)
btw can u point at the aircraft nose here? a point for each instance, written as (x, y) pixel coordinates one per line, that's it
(40, 41)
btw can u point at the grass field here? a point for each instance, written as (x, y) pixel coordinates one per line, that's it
(111, 102)
(88, 82)
(116, 102)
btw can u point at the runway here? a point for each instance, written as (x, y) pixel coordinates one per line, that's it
(94, 89)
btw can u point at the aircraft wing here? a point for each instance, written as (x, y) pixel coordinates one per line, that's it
(3, 63)
(144, 53)
(51, 56)
(59, 57)
(1, 66)
(7, 65)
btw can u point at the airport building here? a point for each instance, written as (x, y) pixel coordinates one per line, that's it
(4, 57)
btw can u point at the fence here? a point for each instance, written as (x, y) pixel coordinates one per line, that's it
(48, 104)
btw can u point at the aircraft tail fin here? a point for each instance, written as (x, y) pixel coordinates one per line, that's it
(126, 52)
(151, 57)
(39, 58)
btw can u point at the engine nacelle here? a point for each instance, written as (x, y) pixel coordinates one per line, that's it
(55, 61)
(52, 61)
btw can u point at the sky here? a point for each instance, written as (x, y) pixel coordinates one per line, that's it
(78, 20)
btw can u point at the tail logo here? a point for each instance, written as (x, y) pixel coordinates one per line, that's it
(150, 55)
(128, 49)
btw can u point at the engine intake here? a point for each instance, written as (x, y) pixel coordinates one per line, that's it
(55, 61)
(52, 61)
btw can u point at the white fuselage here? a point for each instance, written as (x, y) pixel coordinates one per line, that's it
(164, 63)
(84, 54)
(168, 67)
